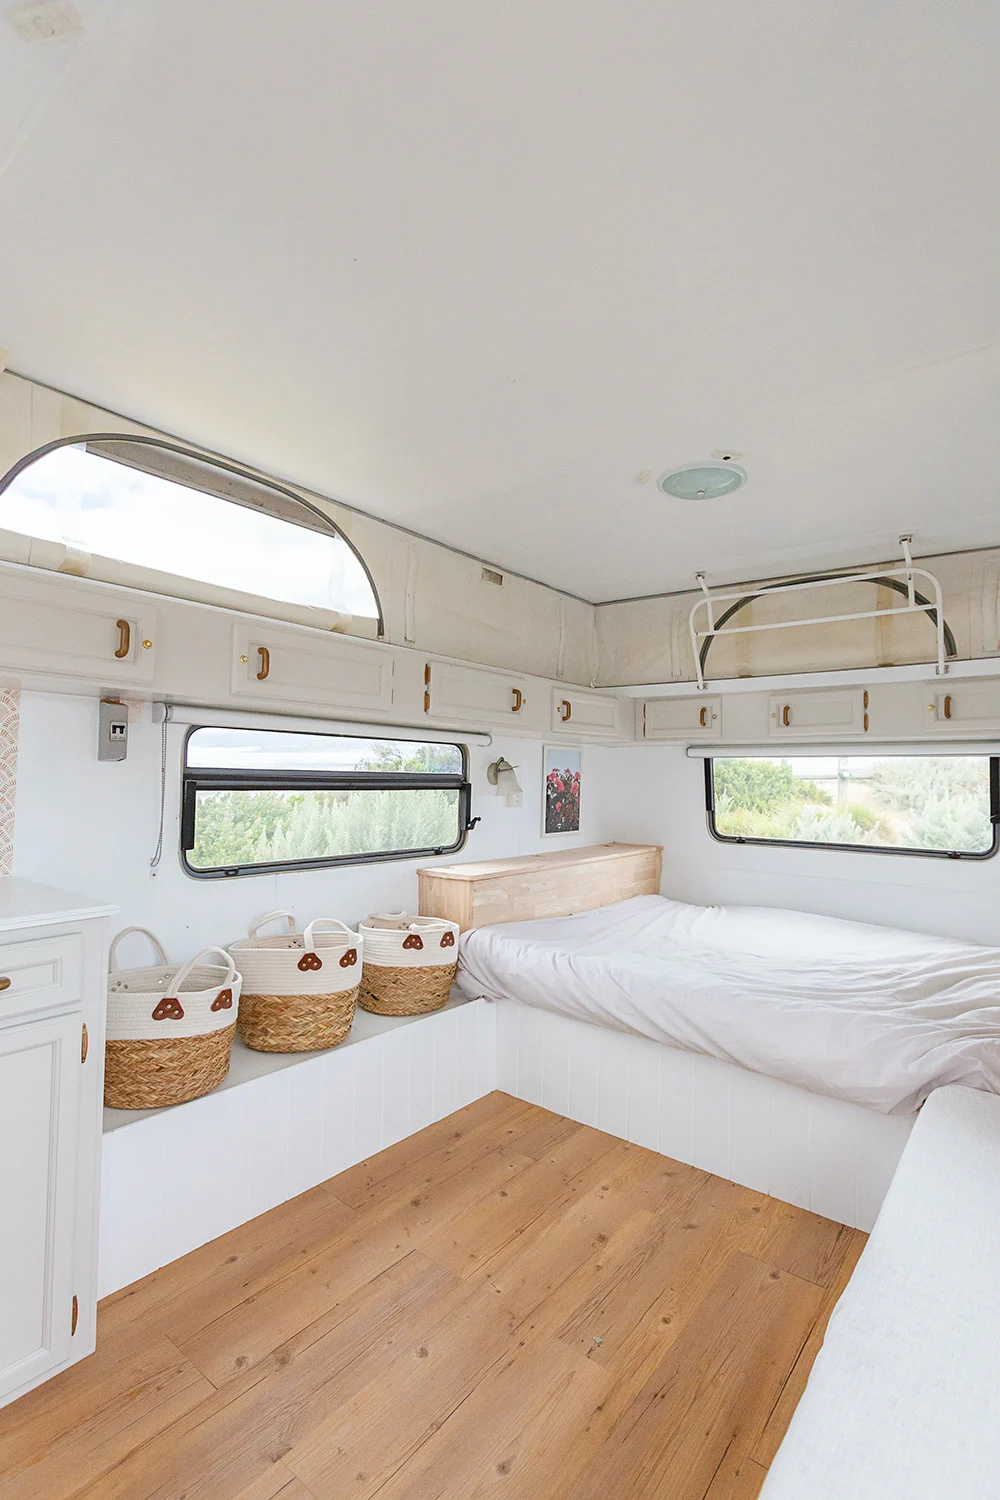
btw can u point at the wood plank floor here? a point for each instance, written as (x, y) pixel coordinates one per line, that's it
(507, 1304)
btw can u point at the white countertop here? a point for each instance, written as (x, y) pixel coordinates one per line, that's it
(25, 903)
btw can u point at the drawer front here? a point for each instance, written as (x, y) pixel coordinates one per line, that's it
(40, 974)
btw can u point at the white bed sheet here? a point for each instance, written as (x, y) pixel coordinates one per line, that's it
(870, 1014)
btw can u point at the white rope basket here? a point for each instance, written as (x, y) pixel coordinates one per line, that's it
(325, 959)
(398, 941)
(170, 1000)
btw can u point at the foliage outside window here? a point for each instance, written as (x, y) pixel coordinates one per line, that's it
(263, 800)
(945, 805)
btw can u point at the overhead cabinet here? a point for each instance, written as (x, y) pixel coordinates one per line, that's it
(459, 694)
(681, 718)
(966, 707)
(585, 714)
(70, 628)
(309, 667)
(816, 714)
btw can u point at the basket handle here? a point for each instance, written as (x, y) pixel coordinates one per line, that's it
(192, 963)
(113, 950)
(307, 936)
(272, 916)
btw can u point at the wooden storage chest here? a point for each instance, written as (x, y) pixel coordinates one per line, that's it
(540, 885)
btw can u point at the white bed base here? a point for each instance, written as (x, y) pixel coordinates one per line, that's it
(834, 1158)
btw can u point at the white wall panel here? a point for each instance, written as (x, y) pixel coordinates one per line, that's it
(655, 794)
(178, 1178)
(825, 1155)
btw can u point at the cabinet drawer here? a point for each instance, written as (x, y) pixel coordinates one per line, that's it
(40, 974)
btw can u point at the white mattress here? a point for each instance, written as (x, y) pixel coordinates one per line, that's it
(903, 1402)
(870, 1014)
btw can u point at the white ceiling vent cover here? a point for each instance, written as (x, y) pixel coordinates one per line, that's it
(42, 20)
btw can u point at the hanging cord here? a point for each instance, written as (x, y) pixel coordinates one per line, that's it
(158, 855)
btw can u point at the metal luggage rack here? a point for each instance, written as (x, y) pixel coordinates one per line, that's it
(899, 578)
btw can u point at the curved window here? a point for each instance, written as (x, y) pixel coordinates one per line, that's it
(144, 513)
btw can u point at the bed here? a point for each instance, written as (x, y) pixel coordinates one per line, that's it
(870, 1015)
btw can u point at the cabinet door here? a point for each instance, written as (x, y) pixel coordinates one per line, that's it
(75, 629)
(39, 1092)
(967, 705)
(814, 714)
(584, 713)
(322, 670)
(455, 692)
(682, 718)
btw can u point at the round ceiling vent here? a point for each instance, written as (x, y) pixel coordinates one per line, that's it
(704, 481)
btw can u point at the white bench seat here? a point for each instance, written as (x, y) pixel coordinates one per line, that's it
(904, 1398)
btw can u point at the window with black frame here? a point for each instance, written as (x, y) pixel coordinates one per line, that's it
(945, 806)
(256, 800)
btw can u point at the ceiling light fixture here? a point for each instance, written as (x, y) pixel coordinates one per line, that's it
(702, 481)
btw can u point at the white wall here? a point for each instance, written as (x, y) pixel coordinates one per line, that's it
(655, 794)
(91, 827)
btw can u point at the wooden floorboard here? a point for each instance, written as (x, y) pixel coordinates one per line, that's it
(508, 1303)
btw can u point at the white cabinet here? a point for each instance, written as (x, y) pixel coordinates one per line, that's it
(587, 715)
(73, 629)
(967, 706)
(271, 664)
(469, 695)
(53, 955)
(39, 1102)
(815, 714)
(682, 718)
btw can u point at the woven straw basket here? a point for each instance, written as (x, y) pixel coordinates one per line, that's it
(300, 989)
(410, 963)
(170, 1028)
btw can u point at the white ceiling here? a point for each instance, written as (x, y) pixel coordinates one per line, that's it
(475, 266)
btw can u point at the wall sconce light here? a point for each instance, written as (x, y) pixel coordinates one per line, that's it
(501, 775)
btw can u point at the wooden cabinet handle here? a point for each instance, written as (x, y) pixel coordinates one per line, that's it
(265, 662)
(74, 1317)
(786, 713)
(703, 717)
(4, 983)
(947, 705)
(427, 688)
(124, 639)
(84, 1043)
(568, 707)
(515, 707)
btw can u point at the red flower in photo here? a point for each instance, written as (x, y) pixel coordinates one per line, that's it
(562, 801)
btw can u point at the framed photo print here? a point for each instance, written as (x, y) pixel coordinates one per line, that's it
(560, 790)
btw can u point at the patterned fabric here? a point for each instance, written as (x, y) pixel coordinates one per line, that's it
(10, 705)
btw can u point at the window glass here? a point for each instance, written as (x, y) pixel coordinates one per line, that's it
(932, 804)
(92, 507)
(257, 799)
(270, 750)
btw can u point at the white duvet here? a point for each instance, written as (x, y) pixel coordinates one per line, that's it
(871, 1014)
